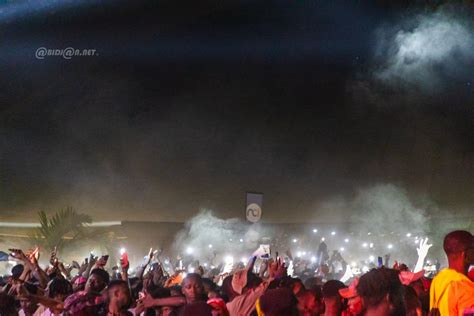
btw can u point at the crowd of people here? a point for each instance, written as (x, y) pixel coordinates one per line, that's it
(261, 287)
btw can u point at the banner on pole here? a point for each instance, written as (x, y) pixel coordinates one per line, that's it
(253, 209)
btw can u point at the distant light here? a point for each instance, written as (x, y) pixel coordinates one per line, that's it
(205, 264)
(333, 233)
(390, 246)
(408, 234)
(369, 233)
(189, 250)
(371, 245)
(304, 253)
(229, 259)
(313, 259)
(299, 253)
(323, 239)
(371, 258)
(364, 245)
(353, 264)
(295, 240)
(341, 249)
(244, 260)
(210, 246)
(365, 269)
(428, 261)
(315, 230)
(241, 240)
(346, 240)
(122, 251)
(230, 239)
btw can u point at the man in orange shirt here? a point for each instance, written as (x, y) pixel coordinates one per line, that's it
(451, 291)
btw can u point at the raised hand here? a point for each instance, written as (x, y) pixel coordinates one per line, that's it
(422, 252)
(54, 257)
(424, 247)
(277, 269)
(17, 254)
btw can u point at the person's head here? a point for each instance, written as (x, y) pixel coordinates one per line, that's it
(313, 283)
(118, 293)
(192, 287)
(7, 305)
(79, 284)
(59, 289)
(309, 304)
(17, 271)
(26, 304)
(413, 304)
(97, 281)
(208, 285)
(160, 292)
(278, 302)
(382, 292)
(296, 285)
(332, 298)
(456, 246)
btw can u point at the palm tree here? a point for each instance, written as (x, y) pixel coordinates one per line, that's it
(64, 228)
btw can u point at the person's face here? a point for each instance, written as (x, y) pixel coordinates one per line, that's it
(309, 306)
(166, 311)
(95, 284)
(355, 305)
(121, 295)
(27, 306)
(192, 289)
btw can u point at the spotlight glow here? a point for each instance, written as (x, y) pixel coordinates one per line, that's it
(315, 230)
(229, 260)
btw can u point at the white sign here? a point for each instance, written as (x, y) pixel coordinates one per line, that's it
(253, 211)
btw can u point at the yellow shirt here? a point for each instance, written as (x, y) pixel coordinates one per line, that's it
(451, 292)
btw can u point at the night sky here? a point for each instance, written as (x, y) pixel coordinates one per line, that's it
(188, 105)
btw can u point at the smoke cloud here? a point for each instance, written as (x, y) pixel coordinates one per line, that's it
(421, 55)
(206, 236)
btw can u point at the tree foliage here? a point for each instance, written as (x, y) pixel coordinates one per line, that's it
(64, 228)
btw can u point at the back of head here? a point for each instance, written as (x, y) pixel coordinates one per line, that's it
(278, 302)
(377, 284)
(331, 289)
(102, 274)
(58, 286)
(457, 241)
